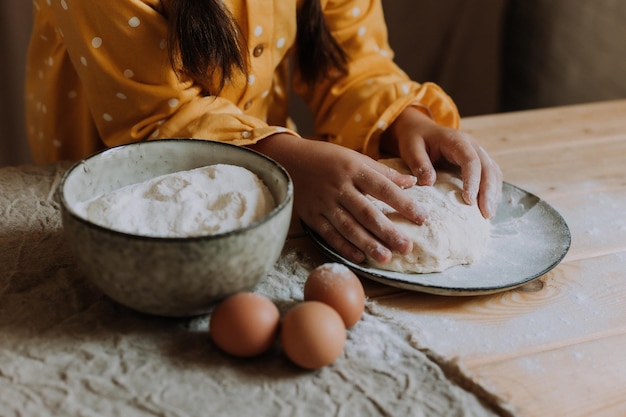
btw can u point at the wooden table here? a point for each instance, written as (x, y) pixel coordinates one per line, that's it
(554, 347)
(557, 346)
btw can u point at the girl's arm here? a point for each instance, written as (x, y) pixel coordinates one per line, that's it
(331, 185)
(421, 142)
(375, 106)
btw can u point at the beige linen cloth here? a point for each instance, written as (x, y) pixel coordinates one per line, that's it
(67, 350)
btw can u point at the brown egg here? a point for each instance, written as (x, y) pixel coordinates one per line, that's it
(245, 324)
(336, 285)
(313, 335)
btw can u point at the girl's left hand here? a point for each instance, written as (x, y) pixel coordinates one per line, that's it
(421, 142)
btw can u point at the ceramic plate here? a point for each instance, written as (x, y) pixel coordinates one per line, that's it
(528, 238)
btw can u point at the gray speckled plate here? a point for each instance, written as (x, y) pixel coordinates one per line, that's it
(528, 238)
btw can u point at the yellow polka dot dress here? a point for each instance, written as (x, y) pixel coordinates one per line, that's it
(98, 75)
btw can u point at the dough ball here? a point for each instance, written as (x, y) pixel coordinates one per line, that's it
(455, 233)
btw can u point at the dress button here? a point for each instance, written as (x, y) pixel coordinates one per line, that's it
(246, 134)
(258, 50)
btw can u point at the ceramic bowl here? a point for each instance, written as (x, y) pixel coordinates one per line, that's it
(172, 276)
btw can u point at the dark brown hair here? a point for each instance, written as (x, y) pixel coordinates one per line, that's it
(317, 50)
(205, 43)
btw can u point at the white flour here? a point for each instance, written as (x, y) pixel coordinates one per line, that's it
(203, 201)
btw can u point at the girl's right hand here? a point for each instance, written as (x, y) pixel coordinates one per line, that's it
(332, 184)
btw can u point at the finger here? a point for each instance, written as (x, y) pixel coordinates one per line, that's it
(379, 187)
(330, 235)
(401, 180)
(419, 162)
(461, 150)
(471, 174)
(377, 225)
(356, 233)
(490, 191)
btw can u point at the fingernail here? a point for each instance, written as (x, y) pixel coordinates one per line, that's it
(469, 198)
(419, 215)
(405, 246)
(381, 253)
(358, 257)
(411, 181)
(425, 176)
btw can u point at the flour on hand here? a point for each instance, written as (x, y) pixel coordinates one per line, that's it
(455, 233)
(202, 201)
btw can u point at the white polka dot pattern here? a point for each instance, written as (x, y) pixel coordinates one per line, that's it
(122, 72)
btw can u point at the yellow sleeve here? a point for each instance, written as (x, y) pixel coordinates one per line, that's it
(111, 59)
(353, 110)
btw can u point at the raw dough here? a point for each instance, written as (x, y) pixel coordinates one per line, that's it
(202, 201)
(455, 234)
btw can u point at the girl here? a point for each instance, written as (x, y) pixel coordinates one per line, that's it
(102, 74)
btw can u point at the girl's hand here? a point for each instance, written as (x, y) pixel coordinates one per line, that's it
(420, 142)
(331, 187)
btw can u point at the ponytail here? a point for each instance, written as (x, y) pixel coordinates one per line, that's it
(317, 51)
(205, 43)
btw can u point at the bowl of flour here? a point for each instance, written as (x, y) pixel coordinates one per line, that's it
(169, 227)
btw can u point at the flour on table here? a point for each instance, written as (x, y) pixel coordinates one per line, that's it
(202, 201)
(455, 234)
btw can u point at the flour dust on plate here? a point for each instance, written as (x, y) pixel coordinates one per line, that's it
(528, 239)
